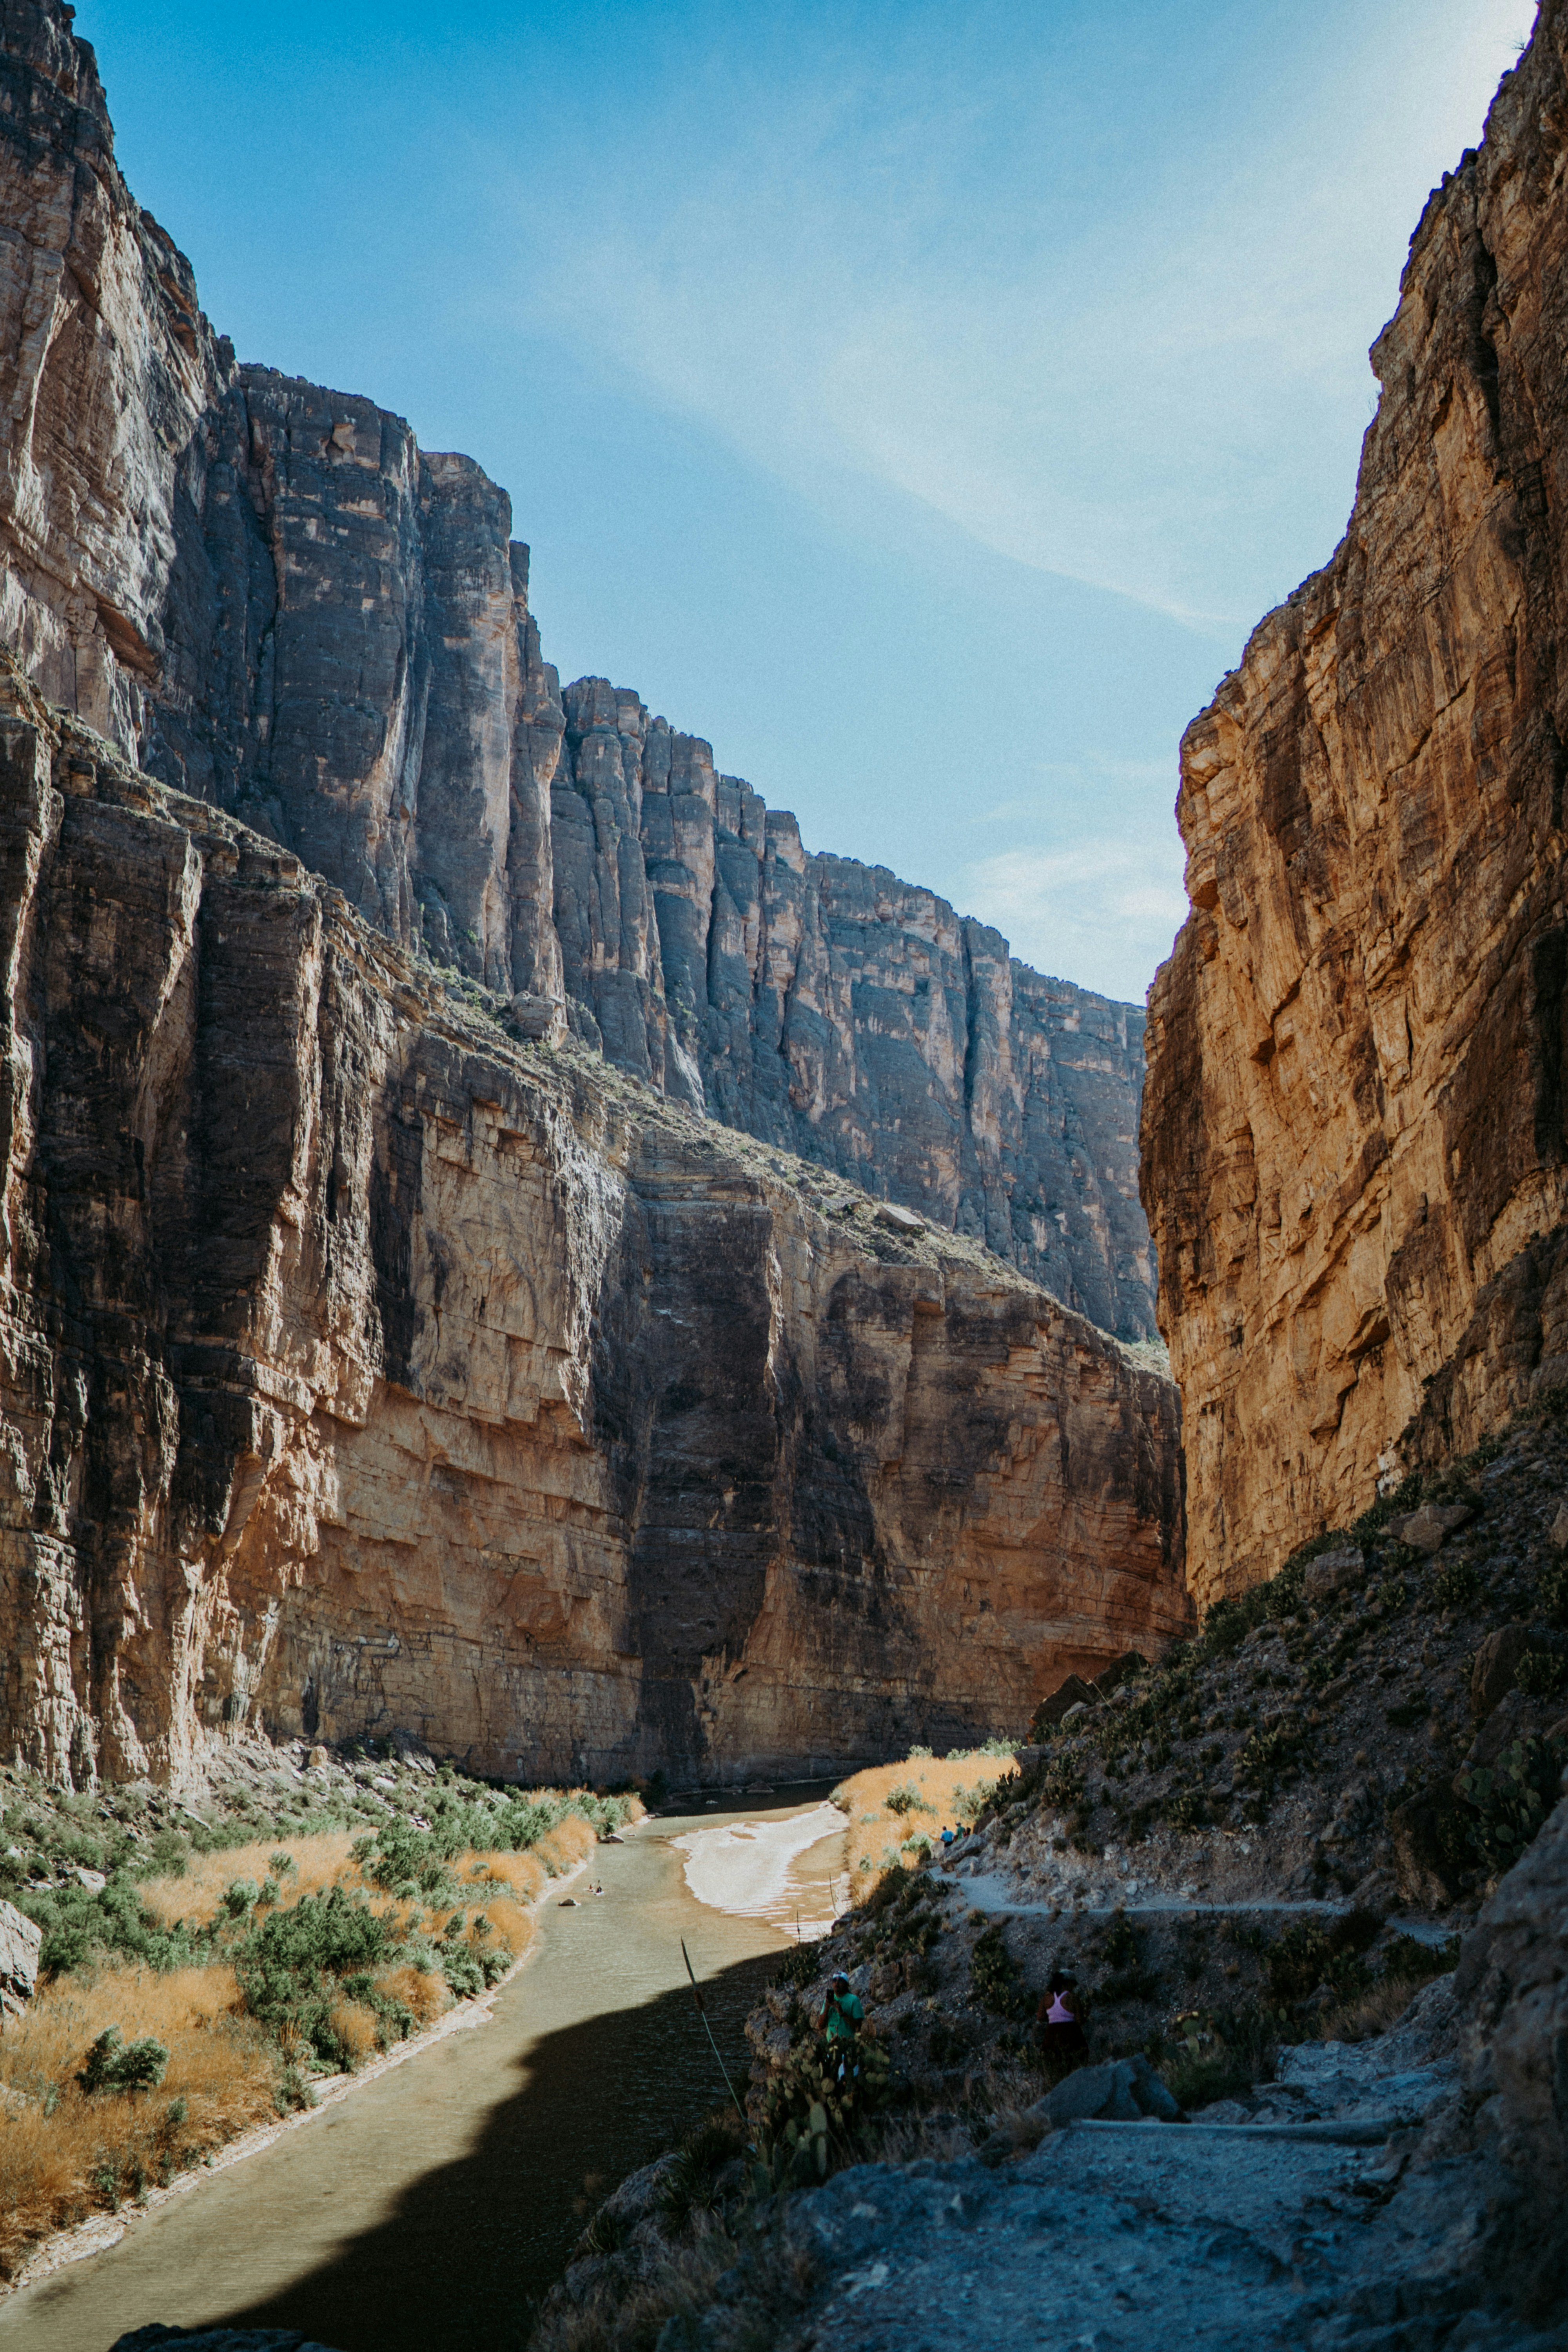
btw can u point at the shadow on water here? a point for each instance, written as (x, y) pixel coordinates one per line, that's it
(434, 2206)
(468, 2251)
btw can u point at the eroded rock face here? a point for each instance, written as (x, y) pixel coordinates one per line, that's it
(1353, 1144)
(266, 595)
(365, 1369)
(828, 1006)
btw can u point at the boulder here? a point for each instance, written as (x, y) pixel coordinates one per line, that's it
(20, 1939)
(1513, 1717)
(898, 1219)
(1331, 1571)
(1512, 1983)
(1074, 1692)
(1559, 1529)
(1496, 1664)
(1428, 1528)
(538, 1016)
(1124, 2090)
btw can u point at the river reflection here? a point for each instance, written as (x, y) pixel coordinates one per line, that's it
(435, 2207)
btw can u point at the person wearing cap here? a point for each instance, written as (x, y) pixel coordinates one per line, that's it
(843, 2015)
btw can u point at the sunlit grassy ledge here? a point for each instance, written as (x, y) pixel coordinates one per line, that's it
(101, 2231)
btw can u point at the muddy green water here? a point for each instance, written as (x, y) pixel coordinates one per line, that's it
(431, 2210)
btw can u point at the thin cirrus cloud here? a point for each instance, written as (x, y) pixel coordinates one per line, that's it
(1102, 912)
(1144, 373)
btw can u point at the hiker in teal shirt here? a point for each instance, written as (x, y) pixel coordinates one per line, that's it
(842, 2018)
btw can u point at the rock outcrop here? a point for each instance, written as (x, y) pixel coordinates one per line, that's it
(1354, 1157)
(267, 595)
(363, 1367)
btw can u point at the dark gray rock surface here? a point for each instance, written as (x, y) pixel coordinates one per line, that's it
(268, 596)
(217, 2339)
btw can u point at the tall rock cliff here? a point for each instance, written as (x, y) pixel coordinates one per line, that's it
(269, 595)
(363, 1367)
(1355, 1158)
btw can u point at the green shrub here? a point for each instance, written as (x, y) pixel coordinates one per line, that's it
(1554, 1591)
(815, 2109)
(801, 1966)
(1311, 1953)
(1457, 1585)
(115, 2065)
(1539, 1674)
(1409, 1961)
(994, 1974)
(1267, 1755)
(906, 1797)
(971, 1803)
(692, 2183)
(1509, 1801)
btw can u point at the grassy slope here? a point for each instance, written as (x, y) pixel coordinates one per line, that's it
(288, 1928)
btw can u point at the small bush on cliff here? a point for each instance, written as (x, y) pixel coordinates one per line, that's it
(115, 2065)
(971, 1803)
(1554, 1590)
(1539, 1674)
(1509, 1801)
(1457, 1585)
(993, 1976)
(801, 1967)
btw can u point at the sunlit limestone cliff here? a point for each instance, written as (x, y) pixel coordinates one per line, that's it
(1354, 1162)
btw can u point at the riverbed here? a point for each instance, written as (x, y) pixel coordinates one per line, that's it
(432, 2209)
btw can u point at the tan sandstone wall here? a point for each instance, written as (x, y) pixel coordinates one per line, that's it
(1353, 1139)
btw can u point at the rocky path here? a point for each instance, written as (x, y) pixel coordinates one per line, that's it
(1257, 2226)
(990, 1892)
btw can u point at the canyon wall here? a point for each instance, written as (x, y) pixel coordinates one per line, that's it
(364, 1367)
(1355, 1158)
(266, 595)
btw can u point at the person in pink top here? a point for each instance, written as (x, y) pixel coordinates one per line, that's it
(1059, 2020)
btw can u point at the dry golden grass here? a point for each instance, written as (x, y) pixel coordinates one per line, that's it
(873, 1830)
(324, 1862)
(357, 2028)
(65, 2152)
(421, 1991)
(1369, 2012)
(319, 1862)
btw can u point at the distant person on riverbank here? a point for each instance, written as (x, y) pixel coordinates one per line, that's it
(948, 1838)
(1059, 2021)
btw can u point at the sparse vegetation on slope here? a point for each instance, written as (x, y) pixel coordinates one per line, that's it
(197, 1976)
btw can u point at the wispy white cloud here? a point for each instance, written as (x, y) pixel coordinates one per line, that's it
(1144, 371)
(1103, 912)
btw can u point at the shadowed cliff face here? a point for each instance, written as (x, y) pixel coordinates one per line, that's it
(365, 1369)
(267, 595)
(1353, 1155)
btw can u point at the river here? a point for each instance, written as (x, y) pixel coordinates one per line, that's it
(431, 2209)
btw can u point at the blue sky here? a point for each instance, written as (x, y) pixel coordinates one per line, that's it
(920, 401)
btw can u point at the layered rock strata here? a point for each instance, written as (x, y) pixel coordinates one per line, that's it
(363, 1368)
(266, 595)
(1354, 1159)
